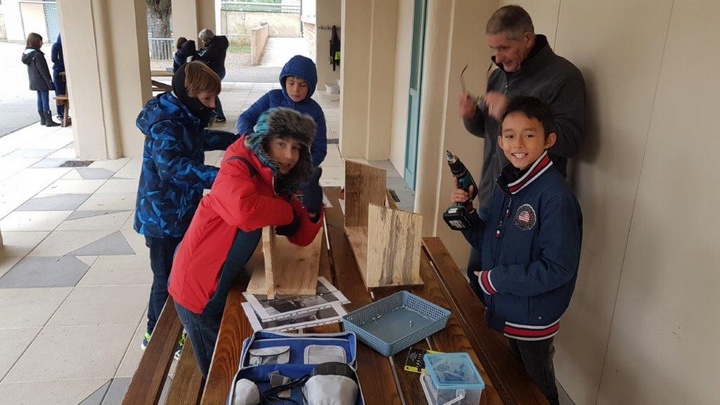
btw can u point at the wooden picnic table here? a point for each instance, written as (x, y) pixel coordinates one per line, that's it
(383, 379)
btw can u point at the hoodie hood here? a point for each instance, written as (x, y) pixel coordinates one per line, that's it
(164, 107)
(196, 108)
(187, 49)
(284, 122)
(59, 41)
(303, 67)
(29, 54)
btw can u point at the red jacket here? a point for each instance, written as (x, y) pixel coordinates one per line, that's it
(237, 200)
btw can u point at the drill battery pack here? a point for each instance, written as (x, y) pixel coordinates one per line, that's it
(458, 218)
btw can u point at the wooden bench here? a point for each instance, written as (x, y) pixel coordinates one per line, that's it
(158, 85)
(64, 99)
(148, 382)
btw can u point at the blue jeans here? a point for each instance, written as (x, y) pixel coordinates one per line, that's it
(203, 329)
(59, 90)
(162, 251)
(537, 357)
(203, 332)
(43, 100)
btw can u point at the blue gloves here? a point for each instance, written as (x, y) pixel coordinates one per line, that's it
(312, 192)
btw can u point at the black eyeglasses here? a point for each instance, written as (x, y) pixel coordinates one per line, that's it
(462, 80)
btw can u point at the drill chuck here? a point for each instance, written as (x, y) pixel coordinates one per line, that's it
(461, 216)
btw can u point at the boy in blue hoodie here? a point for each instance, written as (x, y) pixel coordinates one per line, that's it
(529, 239)
(298, 79)
(174, 174)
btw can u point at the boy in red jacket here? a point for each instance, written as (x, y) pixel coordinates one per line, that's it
(253, 189)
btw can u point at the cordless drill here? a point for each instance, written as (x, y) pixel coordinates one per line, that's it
(461, 215)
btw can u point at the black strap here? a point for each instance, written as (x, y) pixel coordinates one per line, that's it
(251, 168)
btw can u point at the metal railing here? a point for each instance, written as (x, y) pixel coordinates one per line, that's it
(161, 48)
(293, 8)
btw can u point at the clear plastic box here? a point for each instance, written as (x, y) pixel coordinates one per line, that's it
(451, 378)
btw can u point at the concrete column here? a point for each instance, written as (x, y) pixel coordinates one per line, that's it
(108, 73)
(382, 78)
(191, 16)
(432, 111)
(356, 16)
(367, 74)
(447, 50)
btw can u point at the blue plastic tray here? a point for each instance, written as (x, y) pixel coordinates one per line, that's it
(396, 322)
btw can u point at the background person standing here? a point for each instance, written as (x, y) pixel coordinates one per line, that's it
(213, 54)
(56, 55)
(39, 76)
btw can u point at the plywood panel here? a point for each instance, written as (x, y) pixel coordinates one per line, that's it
(364, 185)
(358, 238)
(393, 247)
(356, 55)
(663, 346)
(281, 267)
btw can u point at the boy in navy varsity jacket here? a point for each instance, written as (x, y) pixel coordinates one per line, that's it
(529, 239)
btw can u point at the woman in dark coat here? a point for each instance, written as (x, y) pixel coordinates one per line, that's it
(39, 75)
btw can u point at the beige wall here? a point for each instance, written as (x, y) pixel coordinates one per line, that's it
(642, 326)
(106, 60)
(328, 14)
(663, 342)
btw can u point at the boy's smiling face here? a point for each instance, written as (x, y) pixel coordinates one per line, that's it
(523, 139)
(285, 152)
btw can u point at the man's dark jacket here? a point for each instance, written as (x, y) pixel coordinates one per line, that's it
(550, 78)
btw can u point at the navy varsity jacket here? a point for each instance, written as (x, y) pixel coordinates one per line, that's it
(529, 239)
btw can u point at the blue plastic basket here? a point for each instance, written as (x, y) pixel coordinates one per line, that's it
(396, 322)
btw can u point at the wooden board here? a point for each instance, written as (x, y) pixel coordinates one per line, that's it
(363, 185)
(281, 267)
(357, 238)
(393, 247)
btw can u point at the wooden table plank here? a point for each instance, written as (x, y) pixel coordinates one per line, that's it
(187, 384)
(374, 370)
(453, 337)
(507, 375)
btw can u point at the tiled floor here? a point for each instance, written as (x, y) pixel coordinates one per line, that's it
(74, 276)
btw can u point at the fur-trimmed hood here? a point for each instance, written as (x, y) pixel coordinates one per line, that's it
(284, 122)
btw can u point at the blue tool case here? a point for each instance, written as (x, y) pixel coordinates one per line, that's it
(294, 356)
